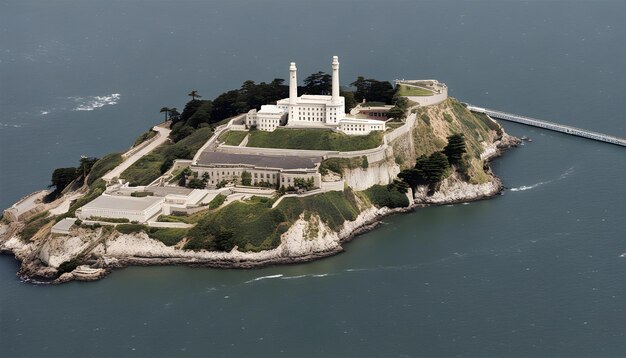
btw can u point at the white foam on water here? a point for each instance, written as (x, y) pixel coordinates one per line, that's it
(320, 275)
(90, 103)
(567, 173)
(265, 278)
(524, 187)
(292, 277)
(623, 255)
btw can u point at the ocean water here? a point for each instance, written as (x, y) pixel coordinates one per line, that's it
(537, 271)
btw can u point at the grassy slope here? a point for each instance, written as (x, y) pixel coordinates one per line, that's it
(103, 165)
(147, 169)
(313, 139)
(256, 226)
(232, 137)
(435, 123)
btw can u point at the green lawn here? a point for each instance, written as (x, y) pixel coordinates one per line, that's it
(404, 90)
(232, 137)
(313, 139)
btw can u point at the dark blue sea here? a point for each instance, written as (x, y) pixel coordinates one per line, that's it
(534, 272)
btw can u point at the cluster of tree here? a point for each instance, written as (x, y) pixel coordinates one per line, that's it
(430, 170)
(372, 90)
(190, 179)
(302, 183)
(62, 177)
(398, 111)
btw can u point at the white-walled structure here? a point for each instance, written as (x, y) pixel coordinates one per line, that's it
(320, 111)
(360, 126)
(121, 207)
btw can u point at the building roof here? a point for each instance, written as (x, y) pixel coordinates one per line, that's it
(350, 120)
(311, 99)
(270, 109)
(122, 202)
(64, 225)
(259, 161)
(168, 190)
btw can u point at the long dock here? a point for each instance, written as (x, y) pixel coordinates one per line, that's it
(549, 125)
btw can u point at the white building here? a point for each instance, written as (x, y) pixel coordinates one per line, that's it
(311, 110)
(121, 207)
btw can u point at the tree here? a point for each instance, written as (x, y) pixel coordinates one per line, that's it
(174, 115)
(455, 148)
(62, 177)
(224, 240)
(86, 163)
(397, 113)
(193, 94)
(165, 110)
(195, 183)
(318, 83)
(246, 178)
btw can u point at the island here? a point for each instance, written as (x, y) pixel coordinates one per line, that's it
(265, 174)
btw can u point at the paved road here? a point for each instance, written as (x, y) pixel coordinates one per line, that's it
(162, 134)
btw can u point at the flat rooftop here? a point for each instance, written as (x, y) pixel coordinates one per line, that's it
(122, 202)
(259, 161)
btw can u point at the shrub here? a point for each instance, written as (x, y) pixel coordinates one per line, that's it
(131, 228)
(389, 196)
(217, 201)
(104, 165)
(168, 236)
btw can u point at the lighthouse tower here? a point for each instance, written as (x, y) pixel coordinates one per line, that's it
(335, 92)
(293, 84)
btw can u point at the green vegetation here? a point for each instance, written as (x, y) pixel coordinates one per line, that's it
(141, 194)
(232, 137)
(338, 165)
(217, 201)
(313, 139)
(258, 226)
(455, 148)
(144, 137)
(372, 90)
(104, 165)
(404, 90)
(131, 228)
(168, 236)
(427, 171)
(154, 164)
(391, 196)
(246, 178)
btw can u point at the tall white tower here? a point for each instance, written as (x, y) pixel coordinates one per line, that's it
(293, 84)
(335, 97)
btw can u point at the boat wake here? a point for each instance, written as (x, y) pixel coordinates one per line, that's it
(567, 173)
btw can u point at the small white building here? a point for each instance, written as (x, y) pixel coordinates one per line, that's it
(122, 207)
(361, 126)
(270, 117)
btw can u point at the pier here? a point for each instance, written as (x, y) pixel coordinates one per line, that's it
(549, 125)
